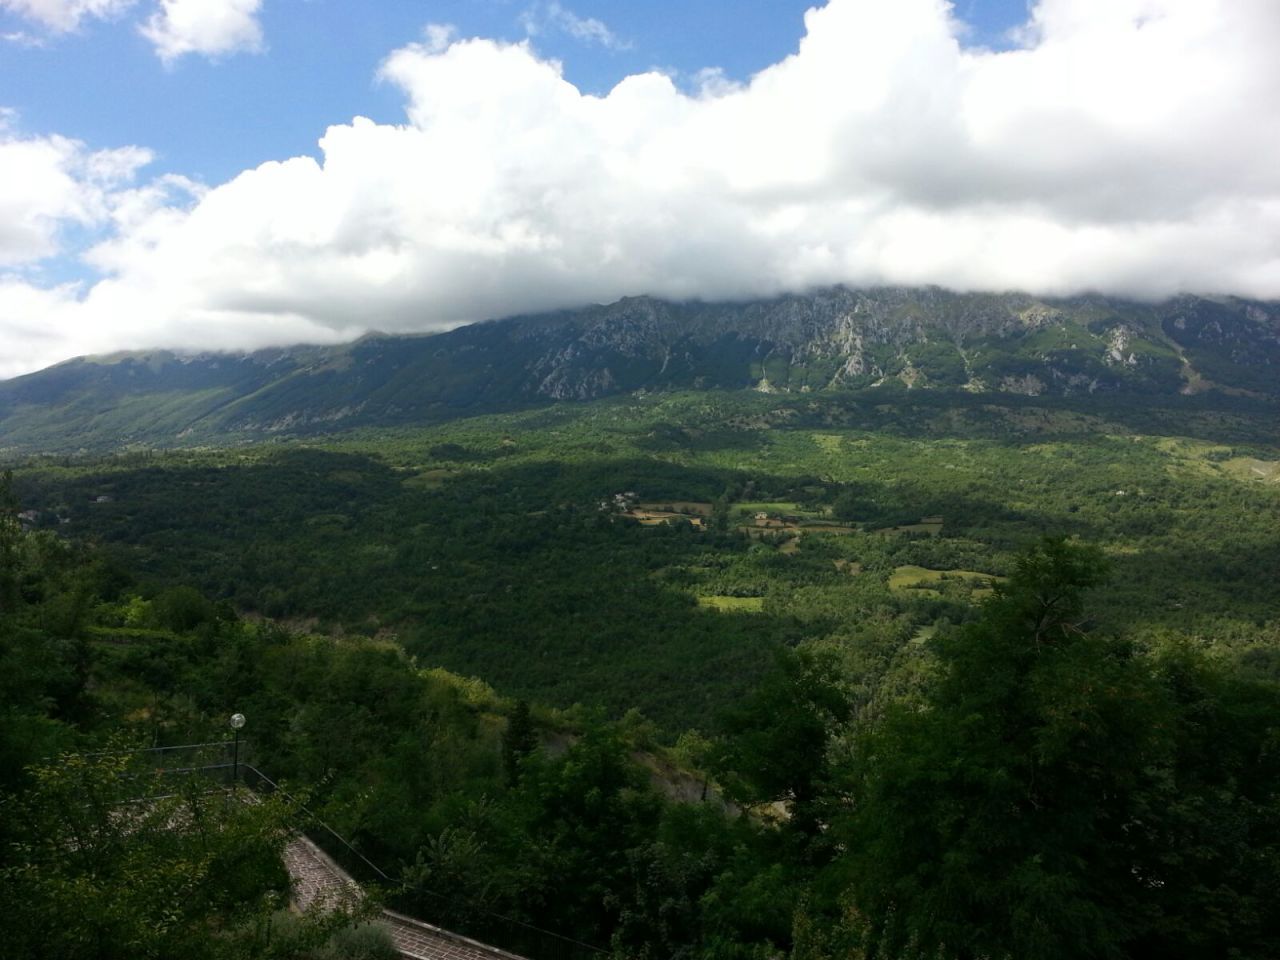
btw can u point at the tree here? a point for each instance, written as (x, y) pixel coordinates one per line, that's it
(568, 827)
(45, 596)
(1211, 826)
(92, 871)
(775, 744)
(10, 542)
(1002, 819)
(181, 609)
(518, 741)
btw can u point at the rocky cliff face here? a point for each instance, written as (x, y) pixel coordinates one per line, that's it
(924, 337)
(830, 339)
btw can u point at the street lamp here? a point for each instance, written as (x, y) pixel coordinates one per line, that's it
(237, 723)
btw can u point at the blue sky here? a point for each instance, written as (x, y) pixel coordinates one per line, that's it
(211, 118)
(235, 174)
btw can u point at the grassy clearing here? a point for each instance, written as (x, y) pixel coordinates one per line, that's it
(733, 604)
(760, 529)
(656, 518)
(1246, 468)
(923, 580)
(772, 508)
(695, 507)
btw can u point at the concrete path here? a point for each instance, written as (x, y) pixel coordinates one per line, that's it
(421, 941)
(317, 880)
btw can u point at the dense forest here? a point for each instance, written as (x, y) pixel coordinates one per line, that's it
(699, 675)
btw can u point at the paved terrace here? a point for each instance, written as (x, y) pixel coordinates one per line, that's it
(317, 880)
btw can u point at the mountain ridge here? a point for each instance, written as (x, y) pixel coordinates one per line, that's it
(922, 338)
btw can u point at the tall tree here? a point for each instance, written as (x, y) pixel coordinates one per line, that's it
(1001, 819)
(775, 744)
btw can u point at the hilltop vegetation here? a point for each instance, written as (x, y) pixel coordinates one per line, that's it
(676, 675)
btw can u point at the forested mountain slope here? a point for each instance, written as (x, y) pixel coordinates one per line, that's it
(923, 338)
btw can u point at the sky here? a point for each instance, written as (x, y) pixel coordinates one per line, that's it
(234, 174)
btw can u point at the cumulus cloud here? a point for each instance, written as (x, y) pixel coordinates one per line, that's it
(1127, 146)
(211, 28)
(63, 16)
(50, 183)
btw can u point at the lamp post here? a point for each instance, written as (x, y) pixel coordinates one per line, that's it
(237, 722)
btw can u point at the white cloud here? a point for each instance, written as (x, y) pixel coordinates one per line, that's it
(21, 38)
(714, 82)
(554, 16)
(438, 37)
(63, 16)
(1128, 147)
(211, 28)
(34, 325)
(50, 183)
